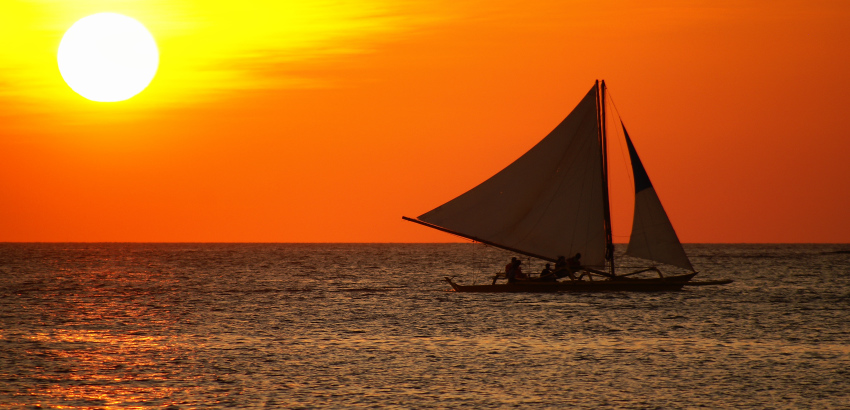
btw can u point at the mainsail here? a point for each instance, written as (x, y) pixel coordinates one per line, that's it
(547, 203)
(653, 236)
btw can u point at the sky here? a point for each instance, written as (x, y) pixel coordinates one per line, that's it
(326, 121)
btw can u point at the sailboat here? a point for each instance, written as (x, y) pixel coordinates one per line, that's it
(553, 201)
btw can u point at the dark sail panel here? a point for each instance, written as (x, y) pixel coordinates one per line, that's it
(653, 236)
(549, 202)
(641, 178)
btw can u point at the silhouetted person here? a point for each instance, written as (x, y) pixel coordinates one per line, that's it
(513, 271)
(547, 274)
(518, 273)
(574, 265)
(574, 262)
(561, 267)
(510, 266)
(508, 270)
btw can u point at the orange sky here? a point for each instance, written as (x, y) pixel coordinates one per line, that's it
(326, 122)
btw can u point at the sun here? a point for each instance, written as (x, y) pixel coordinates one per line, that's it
(108, 57)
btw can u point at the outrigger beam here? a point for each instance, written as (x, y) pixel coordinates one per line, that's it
(484, 241)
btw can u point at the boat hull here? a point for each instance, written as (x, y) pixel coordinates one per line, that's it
(667, 284)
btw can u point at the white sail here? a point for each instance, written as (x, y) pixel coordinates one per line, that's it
(653, 236)
(549, 202)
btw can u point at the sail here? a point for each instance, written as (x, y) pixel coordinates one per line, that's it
(548, 203)
(653, 236)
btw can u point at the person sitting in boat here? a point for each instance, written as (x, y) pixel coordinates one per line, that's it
(561, 268)
(547, 273)
(574, 266)
(513, 271)
(510, 266)
(518, 271)
(574, 263)
(509, 269)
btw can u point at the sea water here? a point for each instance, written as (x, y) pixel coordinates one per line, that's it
(184, 326)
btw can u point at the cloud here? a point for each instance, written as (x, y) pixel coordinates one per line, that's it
(207, 48)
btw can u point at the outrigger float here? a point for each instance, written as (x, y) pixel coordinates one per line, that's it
(666, 284)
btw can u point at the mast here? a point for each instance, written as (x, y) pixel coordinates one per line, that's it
(609, 241)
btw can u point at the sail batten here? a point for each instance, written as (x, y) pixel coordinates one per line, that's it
(439, 228)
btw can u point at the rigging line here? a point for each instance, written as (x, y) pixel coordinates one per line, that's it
(473, 262)
(620, 138)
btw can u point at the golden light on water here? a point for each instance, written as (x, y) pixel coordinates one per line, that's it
(112, 326)
(99, 353)
(103, 367)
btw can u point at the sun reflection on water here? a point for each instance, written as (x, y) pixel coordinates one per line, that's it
(191, 326)
(96, 368)
(103, 339)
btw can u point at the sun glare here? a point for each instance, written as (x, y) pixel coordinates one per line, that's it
(108, 57)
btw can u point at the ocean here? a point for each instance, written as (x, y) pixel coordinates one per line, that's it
(301, 326)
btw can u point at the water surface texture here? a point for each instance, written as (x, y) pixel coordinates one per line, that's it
(182, 326)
